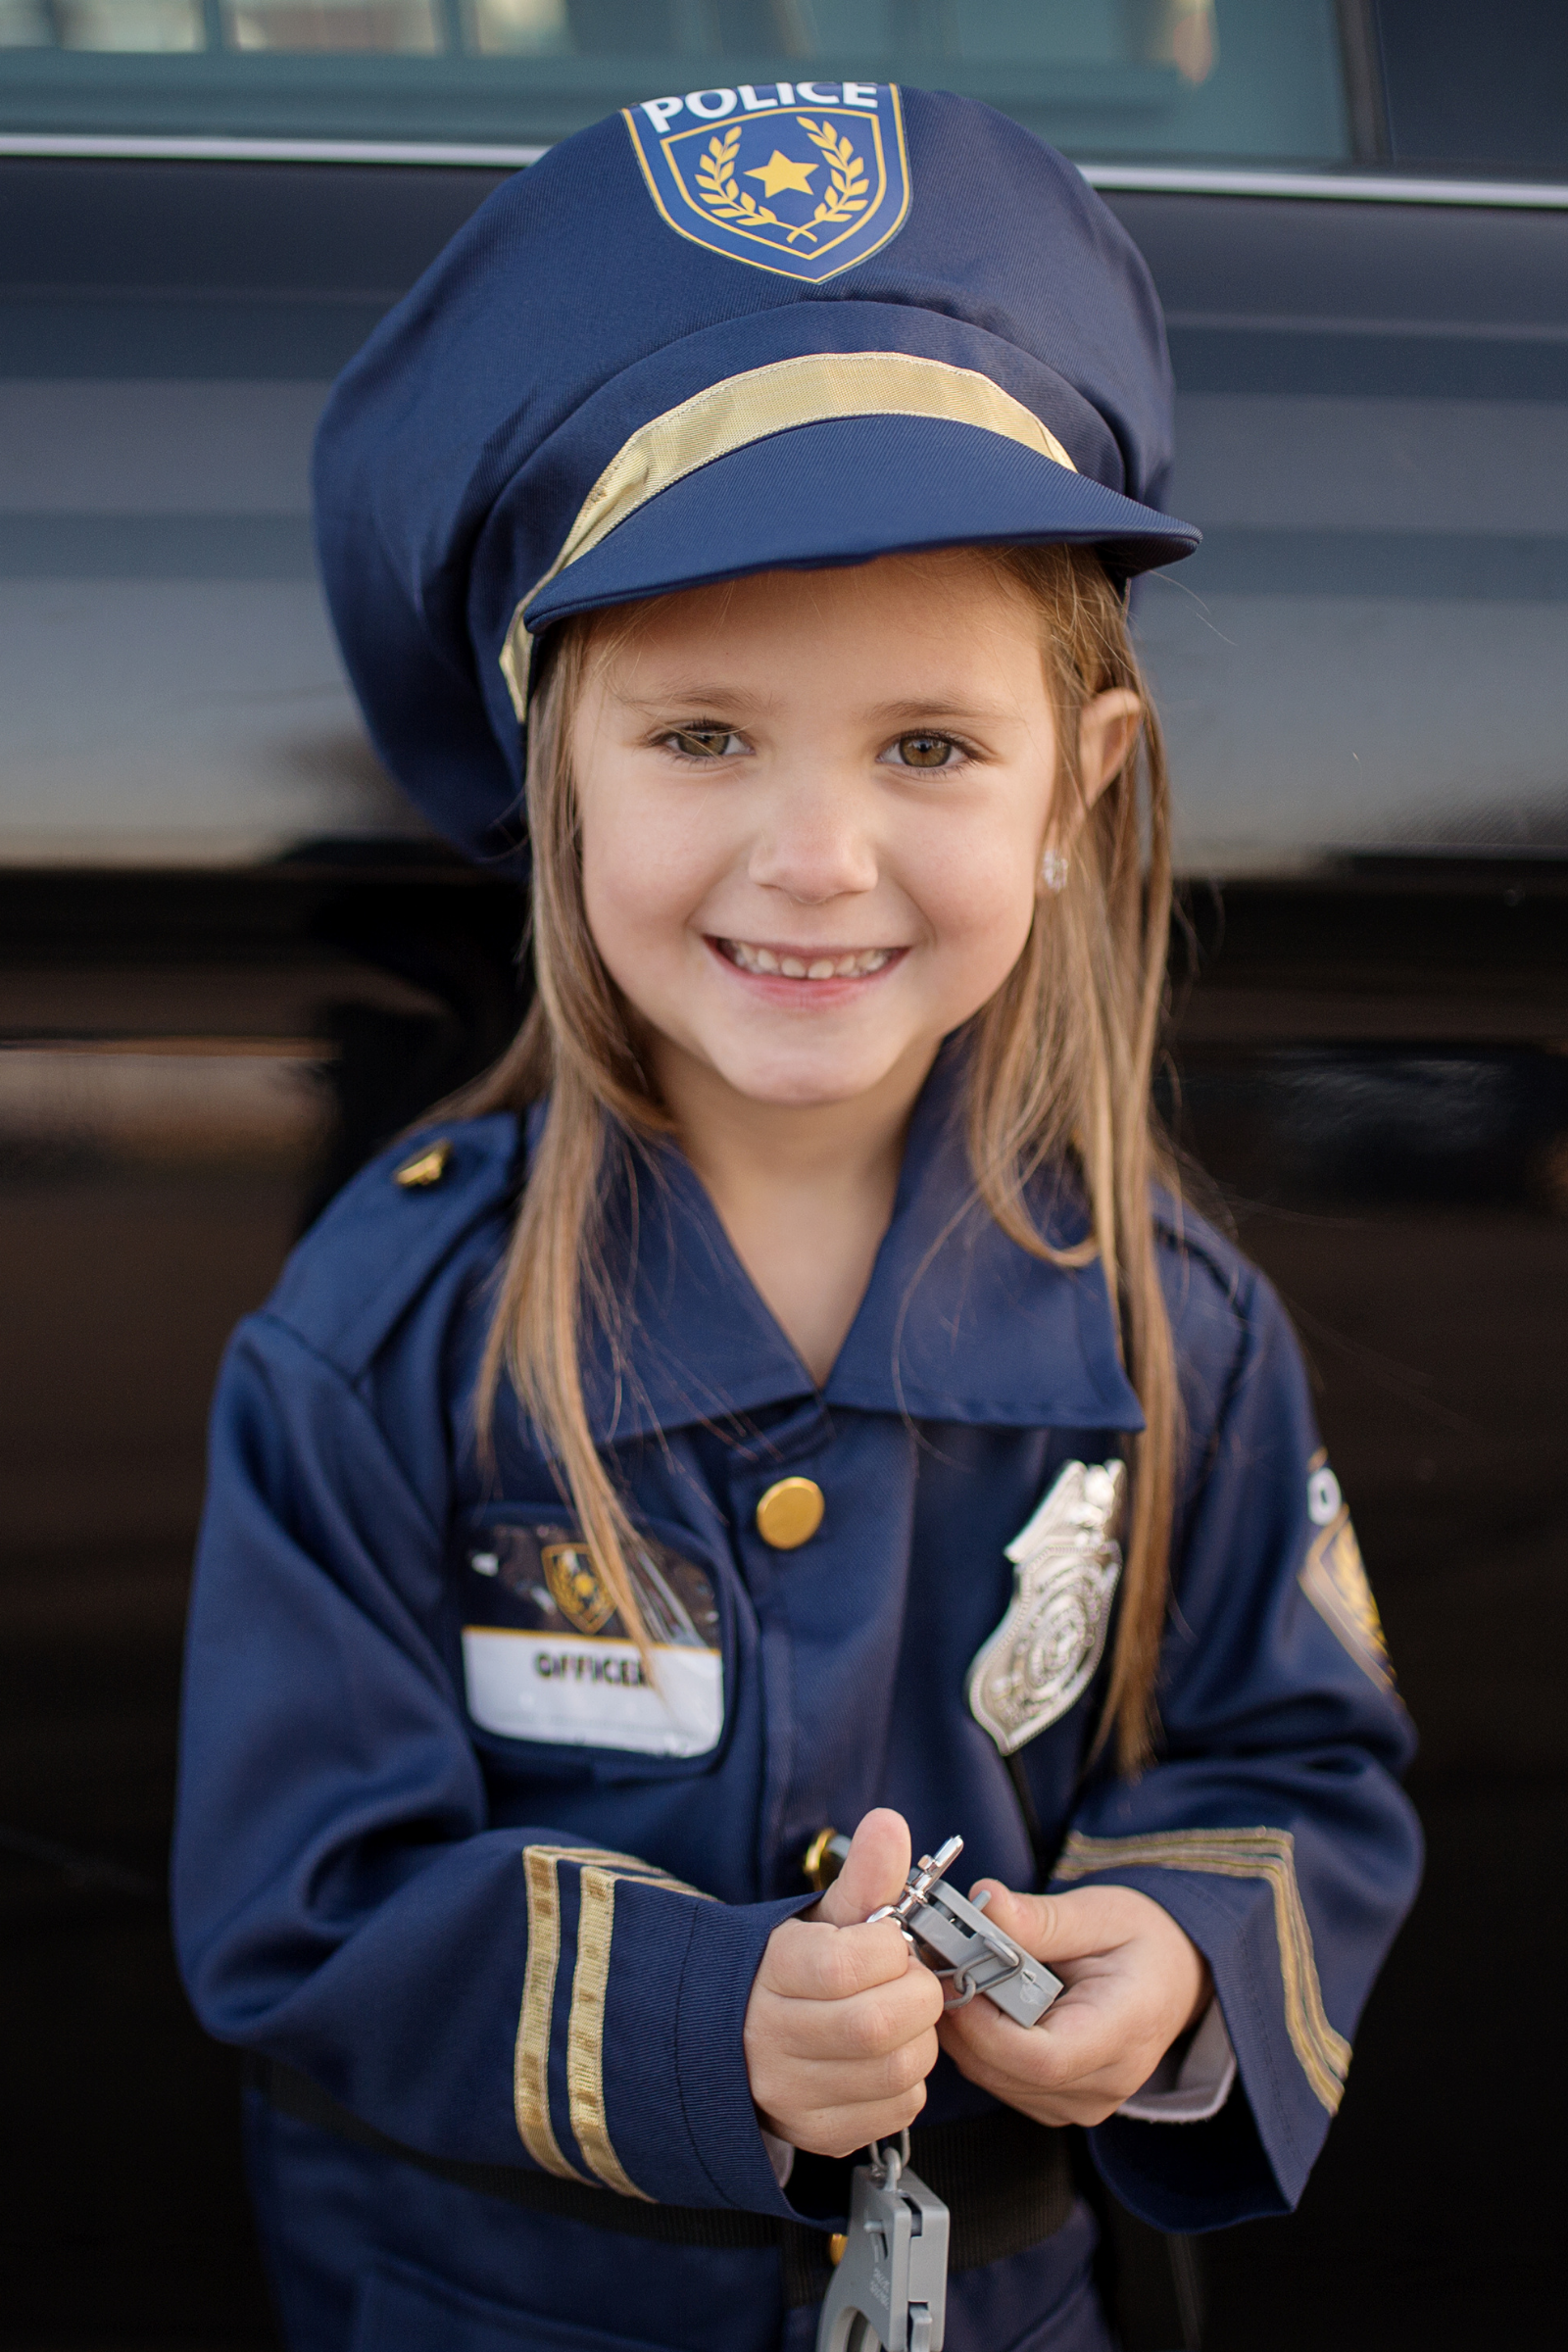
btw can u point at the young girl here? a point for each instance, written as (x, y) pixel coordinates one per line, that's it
(787, 1399)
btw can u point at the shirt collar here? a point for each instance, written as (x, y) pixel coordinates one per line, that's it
(957, 1323)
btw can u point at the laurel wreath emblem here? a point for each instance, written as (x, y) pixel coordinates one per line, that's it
(716, 176)
(848, 191)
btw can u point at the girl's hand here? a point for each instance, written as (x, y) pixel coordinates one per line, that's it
(1134, 1983)
(841, 2027)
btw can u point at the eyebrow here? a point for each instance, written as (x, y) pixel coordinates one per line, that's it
(892, 714)
(695, 693)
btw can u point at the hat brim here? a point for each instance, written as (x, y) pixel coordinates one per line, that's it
(846, 491)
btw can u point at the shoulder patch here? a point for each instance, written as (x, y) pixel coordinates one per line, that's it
(1335, 1581)
(389, 1232)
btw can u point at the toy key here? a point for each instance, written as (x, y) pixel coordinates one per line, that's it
(960, 1942)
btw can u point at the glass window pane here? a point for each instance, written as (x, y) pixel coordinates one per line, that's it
(516, 28)
(402, 27)
(1244, 80)
(1477, 88)
(162, 27)
(25, 25)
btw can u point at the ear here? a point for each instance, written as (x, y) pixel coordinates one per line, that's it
(1107, 731)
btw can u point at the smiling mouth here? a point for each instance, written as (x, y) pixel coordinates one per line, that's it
(789, 963)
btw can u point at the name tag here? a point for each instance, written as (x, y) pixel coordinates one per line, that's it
(546, 1656)
(594, 1694)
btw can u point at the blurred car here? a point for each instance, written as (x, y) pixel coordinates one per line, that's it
(233, 960)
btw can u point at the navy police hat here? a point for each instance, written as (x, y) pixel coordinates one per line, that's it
(787, 326)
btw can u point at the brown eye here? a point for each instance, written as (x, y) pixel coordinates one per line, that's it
(925, 751)
(704, 743)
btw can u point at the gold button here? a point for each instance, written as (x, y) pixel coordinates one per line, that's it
(824, 1858)
(426, 1167)
(790, 1513)
(836, 2247)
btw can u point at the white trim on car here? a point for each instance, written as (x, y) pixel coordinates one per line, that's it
(1344, 187)
(111, 147)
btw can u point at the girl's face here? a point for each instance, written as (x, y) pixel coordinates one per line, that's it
(813, 807)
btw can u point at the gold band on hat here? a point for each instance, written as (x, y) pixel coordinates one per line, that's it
(811, 389)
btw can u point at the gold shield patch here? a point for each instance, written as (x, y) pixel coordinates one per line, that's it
(576, 1587)
(806, 180)
(1335, 1581)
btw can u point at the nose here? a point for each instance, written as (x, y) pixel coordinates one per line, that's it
(815, 841)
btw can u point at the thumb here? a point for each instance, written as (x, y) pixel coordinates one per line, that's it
(1057, 1927)
(874, 1870)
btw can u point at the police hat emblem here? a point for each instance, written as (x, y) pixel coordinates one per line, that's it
(806, 178)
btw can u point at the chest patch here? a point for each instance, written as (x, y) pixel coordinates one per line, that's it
(1042, 1656)
(546, 1656)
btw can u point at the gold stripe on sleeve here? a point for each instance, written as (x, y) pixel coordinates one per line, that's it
(530, 2064)
(1324, 2055)
(812, 388)
(530, 2061)
(585, 2033)
(585, 2036)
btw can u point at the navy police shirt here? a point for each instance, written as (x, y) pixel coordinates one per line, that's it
(447, 1849)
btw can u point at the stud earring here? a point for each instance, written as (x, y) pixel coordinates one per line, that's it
(1054, 871)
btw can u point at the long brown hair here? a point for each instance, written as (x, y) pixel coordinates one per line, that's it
(1059, 1069)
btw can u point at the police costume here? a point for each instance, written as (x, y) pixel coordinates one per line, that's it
(481, 1898)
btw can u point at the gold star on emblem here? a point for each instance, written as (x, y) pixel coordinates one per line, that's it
(778, 173)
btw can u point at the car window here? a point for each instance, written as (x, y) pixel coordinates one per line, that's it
(1476, 88)
(1243, 80)
(1363, 658)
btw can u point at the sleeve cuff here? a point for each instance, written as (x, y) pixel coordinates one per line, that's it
(630, 2064)
(1192, 2081)
(1247, 2155)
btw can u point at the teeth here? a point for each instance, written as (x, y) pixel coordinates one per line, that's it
(857, 966)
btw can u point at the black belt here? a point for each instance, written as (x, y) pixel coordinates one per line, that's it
(1006, 2181)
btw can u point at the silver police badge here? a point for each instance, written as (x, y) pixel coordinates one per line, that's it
(1043, 1655)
